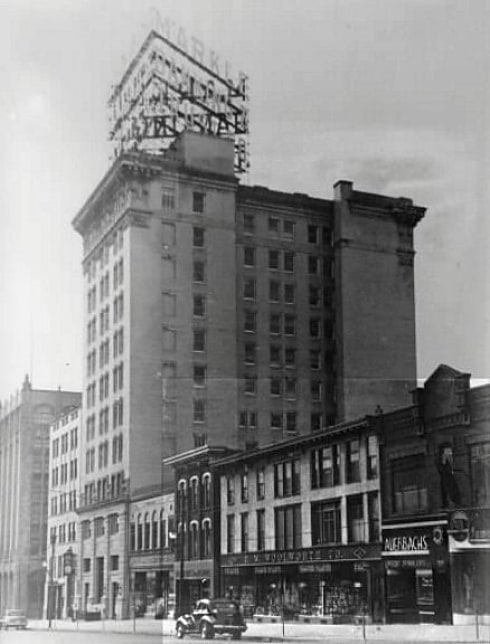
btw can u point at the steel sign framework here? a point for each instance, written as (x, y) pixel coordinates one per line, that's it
(165, 91)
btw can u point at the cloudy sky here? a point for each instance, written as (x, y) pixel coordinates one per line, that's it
(391, 95)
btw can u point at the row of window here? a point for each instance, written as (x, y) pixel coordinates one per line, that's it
(69, 441)
(146, 534)
(64, 533)
(285, 228)
(65, 502)
(105, 488)
(114, 565)
(326, 525)
(104, 352)
(194, 496)
(64, 472)
(99, 526)
(117, 416)
(104, 319)
(286, 261)
(103, 454)
(324, 471)
(103, 257)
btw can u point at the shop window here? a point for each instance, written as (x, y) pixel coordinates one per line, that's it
(287, 478)
(325, 523)
(260, 529)
(353, 473)
(480, 473)
(244, 532)
(230, 533)
(287, 523)
(260, 483)
(325, 467)
(355, 520)
(408, 484)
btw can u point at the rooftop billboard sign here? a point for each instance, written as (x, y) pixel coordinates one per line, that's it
(172, 86)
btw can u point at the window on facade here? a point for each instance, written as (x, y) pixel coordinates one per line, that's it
(275, 355)
(372, 457)
(313, 264)
(356, 524)
(250, 385)
(275, 386)
(193, 541)
(249, 289)
(86, 564)
(198, 202)
(114, 562)
(206, 539)
(373, 515)
(249, 256)
(244, 487)
(288, 262)
(230, 490)
(313, 296)
(275, 323)
(274, 259)
(199, 411)
(274, 291)
(288, 229)
(287, 522)
(199, 374)
(276, 420)
(199, 340)
(198, 273)
(289, 293)
(290, 388)
(480, 473)
(230, 533)
(206, 491)
(312, 234)
(199, 305)
(325, 523)
(409, 486)
(273, 225)
(287, 478)
(244, 532)
(289, 324)
(316, 390)
(353, 473)
(260, 529)
(249, 224)
(197, 236)
(260, 481)
(291, 422)
(250, 321)
(325, 467)
(250, 352)
(315, 359)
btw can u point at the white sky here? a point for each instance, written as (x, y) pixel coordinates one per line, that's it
(393, 95)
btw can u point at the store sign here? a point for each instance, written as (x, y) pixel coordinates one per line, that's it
(174, 84)
(406, 544)
(419, 540)
(339, 553)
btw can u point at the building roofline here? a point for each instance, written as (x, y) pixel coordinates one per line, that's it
(196, 452)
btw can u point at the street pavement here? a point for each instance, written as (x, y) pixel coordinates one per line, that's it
(292, 631)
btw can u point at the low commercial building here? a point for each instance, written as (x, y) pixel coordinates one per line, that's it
(300, 527)
(151, 554)
(435, 490)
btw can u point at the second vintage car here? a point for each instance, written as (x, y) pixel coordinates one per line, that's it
(212, 617)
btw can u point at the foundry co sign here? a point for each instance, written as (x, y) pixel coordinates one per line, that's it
(174, 84)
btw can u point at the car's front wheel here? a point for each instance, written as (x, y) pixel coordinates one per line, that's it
(180, 631)
(206, 631)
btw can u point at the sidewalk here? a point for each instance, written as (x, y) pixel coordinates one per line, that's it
(292, 631)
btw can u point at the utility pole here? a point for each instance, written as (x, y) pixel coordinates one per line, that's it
(51, 598)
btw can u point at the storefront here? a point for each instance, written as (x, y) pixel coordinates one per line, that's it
(194, 580)
(469, 550)
(418, 581)
(151, 583)
(334, 585)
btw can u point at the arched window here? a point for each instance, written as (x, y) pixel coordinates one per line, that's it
(194, 492)
(193, 540)
(206, 539)
(132, 535)
(154, 530)
(206, 490)
(163, 531)
(181, 498)
(139, 534)
(147, 532)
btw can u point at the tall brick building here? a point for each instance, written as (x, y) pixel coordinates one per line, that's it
(224, 314)
(24, 480)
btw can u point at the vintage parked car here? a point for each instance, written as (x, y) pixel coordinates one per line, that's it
(212, 617)
(13, 618)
